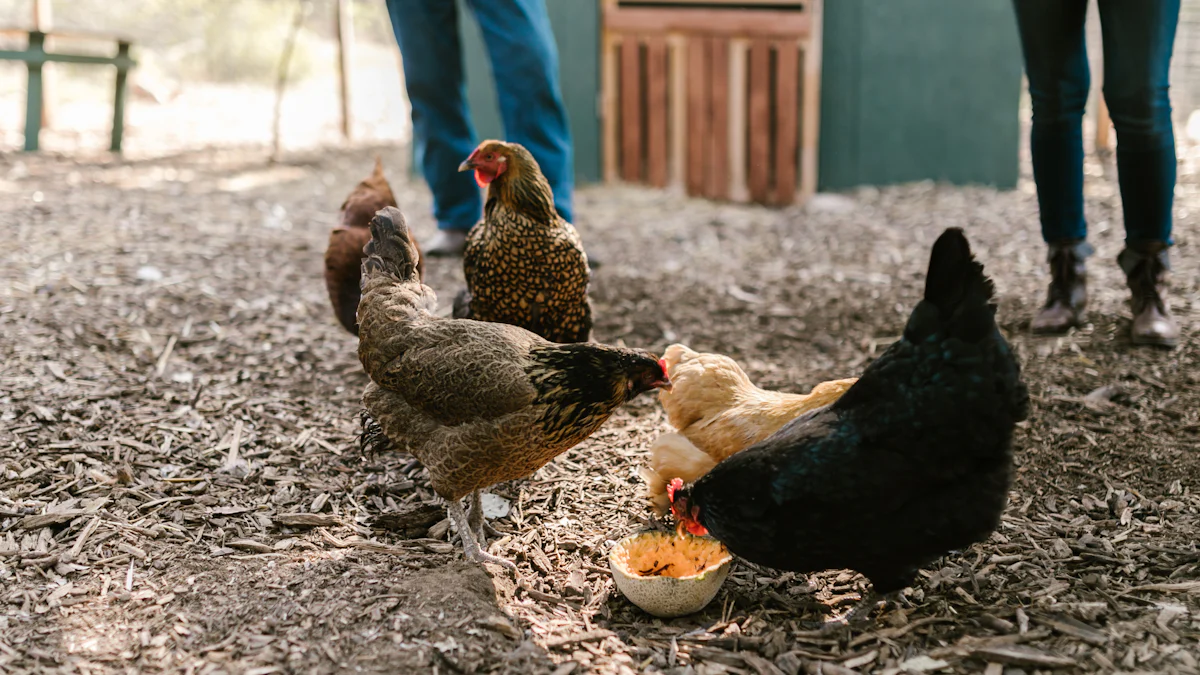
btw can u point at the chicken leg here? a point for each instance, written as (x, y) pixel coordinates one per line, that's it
(471, 547)
(477, 520)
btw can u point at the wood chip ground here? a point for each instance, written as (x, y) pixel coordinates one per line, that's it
(181, 490)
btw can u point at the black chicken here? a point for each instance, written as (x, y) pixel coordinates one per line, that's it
(913, 461)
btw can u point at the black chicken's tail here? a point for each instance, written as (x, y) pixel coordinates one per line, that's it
(958, 296)
(391, 250)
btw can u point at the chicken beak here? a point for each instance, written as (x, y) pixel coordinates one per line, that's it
(467, 165)
(664, 384)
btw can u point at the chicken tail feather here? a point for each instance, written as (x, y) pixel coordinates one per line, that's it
(391, 249)
(954, 274)
(958, 295)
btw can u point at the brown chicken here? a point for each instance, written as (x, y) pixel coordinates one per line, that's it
(524, 264)
(477, 403)
(344, 255)
(718, 412)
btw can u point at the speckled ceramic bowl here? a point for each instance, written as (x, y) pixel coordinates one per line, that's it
(667, 575)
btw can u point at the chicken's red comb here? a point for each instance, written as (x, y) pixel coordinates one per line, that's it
(662, 363)
(673, 486)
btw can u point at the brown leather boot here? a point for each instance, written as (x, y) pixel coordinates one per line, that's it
(1067, 298)
(1146, 267)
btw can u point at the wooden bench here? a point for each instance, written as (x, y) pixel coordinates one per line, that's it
(35, 56)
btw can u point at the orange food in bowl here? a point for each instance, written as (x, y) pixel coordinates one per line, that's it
(667, 575)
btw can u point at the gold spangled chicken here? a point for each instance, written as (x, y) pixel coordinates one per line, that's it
(717, 412)
(477, 403)
(523, 263)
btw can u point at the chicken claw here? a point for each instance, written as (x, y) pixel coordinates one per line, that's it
(861, 611)
(372, 440)
(470, 546)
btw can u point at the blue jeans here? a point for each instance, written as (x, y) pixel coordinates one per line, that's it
(1138, 38)
(524, 61)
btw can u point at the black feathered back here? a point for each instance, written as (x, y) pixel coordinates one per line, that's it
(954, 273)
(912, 461)
(957, 288)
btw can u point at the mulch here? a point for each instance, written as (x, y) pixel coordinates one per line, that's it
(181, 488)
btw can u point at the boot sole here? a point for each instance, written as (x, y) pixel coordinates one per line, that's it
(1054, 330)
(1155, 342)
(1058, 330)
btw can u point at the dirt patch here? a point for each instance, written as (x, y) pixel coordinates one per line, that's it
(174, 391)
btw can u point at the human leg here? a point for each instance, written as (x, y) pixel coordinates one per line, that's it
(1138, 41)
(427, 32)
(524, 59)
(1053, 44)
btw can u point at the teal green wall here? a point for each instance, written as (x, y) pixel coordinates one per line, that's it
(577, 32)
(910, 90)
(919, 89)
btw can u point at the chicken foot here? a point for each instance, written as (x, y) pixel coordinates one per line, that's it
(470, 546)
(372, 440)
(863, 608)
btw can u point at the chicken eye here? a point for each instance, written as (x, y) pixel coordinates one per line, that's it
(490, 157)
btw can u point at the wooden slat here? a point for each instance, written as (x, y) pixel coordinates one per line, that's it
(697, 95)
(723, 124)
(656, 111)
(787, 124)
(717, 159)
(810, 106)
(765, 23)
(609, 96)
(679, 110)
(631, 109)
(760, 120)
(737, 119)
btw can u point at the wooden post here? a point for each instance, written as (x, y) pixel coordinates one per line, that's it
(716, 156)
(285, 59)
(759, 121)
(656, 111)
(810, 105)
(345, 38)
(631, 109)
(787, 107)
(679, 111)
(608, 104)
(118, 125)
(43, 21)
(33, 95)
(738, 50)
(698, 94)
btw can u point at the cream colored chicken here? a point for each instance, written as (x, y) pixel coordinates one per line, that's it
(717, 412)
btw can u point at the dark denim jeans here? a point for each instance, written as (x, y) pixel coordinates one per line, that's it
(1138, 38)
(524, 61)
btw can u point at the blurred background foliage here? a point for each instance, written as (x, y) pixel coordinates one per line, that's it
(233, 41)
